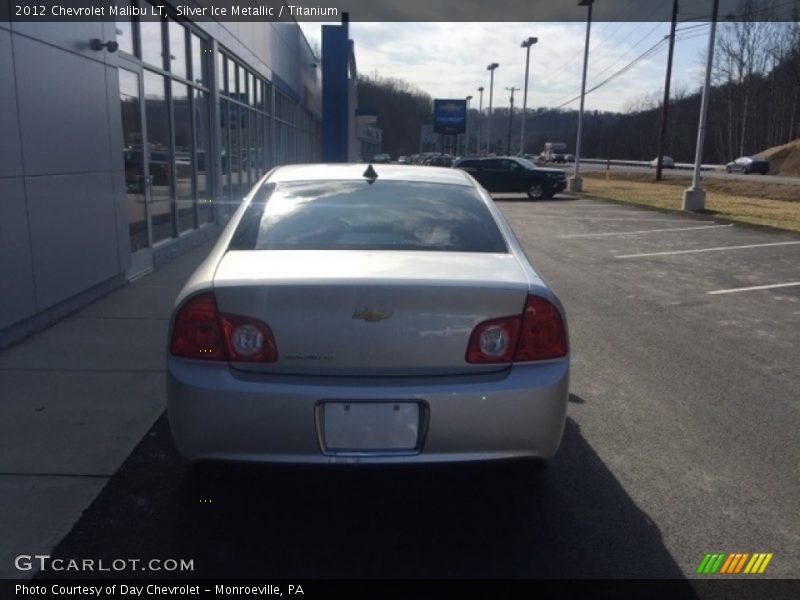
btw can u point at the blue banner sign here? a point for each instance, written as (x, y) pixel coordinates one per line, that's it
(449, 116)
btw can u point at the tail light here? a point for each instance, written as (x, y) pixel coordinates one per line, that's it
(543, 334)
(197, 331)
(200, 331)
(537, 334)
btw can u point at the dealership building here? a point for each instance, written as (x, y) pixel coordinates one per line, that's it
(123, 144)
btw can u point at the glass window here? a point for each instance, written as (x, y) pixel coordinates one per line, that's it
(177, 49)
(134, 159)
(235, 153)
(159, 159)
(184, 184)
(253, 162)
(259, 144)
(201, 144)
(268, 99)
(224, 124)
(267, 144)
(387, 215)
(231, 77)
(197, 60)
(238, 82)
(124, 28)
(221, 73)
(150, 41)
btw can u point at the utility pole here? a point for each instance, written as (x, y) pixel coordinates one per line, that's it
(665, 107)
(511, 89)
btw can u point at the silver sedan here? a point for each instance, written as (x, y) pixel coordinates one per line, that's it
(367, 316)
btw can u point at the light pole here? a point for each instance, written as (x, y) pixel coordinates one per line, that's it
(527, 45)
(466, 128)
(694, 198)
(491, 69)
(511, 89)
(480, 122)
(575, 182)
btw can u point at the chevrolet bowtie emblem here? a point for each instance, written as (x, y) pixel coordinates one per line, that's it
(371, 315)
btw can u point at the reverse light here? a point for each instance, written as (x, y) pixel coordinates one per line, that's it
(537, 334)
(493, 341)
(248, 339)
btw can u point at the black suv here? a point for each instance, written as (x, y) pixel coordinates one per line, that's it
(513, 174)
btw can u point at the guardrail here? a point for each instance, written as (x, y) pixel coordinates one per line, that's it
(646, 163)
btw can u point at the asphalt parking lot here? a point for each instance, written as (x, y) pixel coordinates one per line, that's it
(682, 435)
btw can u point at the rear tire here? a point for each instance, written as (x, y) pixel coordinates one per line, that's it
(728, 170)
(535, 192)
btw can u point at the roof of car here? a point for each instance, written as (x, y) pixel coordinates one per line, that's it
(319, 172)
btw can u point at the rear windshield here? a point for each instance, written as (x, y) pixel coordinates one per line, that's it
(357, 215)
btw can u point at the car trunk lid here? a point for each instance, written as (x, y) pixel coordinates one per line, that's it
(355, 312)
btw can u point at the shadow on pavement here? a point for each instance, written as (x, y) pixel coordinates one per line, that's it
(571, 519)
(523, 198)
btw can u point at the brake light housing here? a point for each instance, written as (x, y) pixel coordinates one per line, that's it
(537, 334)
(200, 331)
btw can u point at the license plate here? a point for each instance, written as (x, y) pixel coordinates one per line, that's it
(370, 426)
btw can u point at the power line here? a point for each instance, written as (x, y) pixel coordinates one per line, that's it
(683, 34)
(596, 46)
(654, 49)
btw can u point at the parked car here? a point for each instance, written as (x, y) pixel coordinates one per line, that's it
(403, 160)
(747, 165)
(394, 322)
(442, 160)
(381, 158)
(666, 162)
(514, 174)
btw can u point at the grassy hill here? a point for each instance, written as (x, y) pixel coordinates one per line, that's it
(785, 159)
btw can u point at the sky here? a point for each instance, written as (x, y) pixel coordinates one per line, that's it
(448, 60)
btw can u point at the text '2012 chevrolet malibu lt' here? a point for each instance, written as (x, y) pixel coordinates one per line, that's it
(379, 316)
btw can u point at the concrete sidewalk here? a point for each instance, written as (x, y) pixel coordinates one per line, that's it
(75, 400)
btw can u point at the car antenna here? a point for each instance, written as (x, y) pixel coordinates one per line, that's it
(370, 175)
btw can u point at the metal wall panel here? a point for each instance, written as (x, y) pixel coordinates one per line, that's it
(73, 233)
(10, 151)
(18, 299)
(73, 36)
(63, 110)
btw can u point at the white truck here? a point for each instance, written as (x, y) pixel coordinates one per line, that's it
(554, 151)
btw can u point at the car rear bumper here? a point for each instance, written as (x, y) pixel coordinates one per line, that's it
(221, 414)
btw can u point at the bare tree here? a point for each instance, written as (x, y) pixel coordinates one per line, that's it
(742, 56)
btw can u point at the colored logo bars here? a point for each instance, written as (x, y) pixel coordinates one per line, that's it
(734, 563)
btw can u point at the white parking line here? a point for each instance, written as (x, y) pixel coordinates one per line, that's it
(607, 219)
(756, 287)
(576, 235)
(718, 249)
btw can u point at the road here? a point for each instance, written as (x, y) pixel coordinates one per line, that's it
(682, 436)
(684, 173)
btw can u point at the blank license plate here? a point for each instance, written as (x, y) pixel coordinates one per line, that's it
(370, 426)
